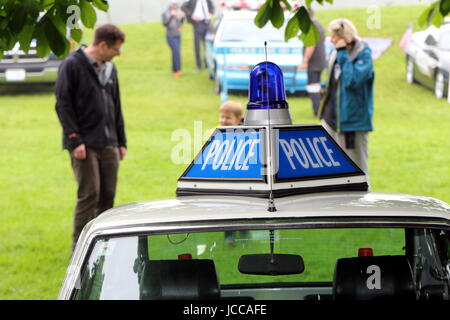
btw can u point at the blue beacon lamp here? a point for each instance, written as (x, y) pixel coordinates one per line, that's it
(267, 97)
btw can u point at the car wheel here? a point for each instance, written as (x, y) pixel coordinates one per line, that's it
(410, 70)
(439, 84)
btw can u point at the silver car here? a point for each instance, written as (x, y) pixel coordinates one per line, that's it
(324, 246)
(16, 66)
(428, 59)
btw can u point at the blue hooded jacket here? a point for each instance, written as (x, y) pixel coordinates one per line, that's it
(354, 96)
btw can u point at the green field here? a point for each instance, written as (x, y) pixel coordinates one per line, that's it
(409, 150)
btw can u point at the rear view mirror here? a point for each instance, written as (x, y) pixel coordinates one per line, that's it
(271, 264)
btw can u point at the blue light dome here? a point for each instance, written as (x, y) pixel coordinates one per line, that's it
(266, 89)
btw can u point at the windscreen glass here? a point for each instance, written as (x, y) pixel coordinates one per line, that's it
(119, 268)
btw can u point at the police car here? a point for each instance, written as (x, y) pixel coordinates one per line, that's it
(302, 222)
(234, 43)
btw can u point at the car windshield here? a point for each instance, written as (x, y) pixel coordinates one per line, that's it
(246, 30)
(141, 267)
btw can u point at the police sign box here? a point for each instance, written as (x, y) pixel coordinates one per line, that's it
(303, 158)
(230, 154)
(311, 152)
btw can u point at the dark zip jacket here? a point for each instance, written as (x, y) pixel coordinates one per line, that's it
(89, 112)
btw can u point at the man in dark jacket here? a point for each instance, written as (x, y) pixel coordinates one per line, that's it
(89, 109)
(199, 13)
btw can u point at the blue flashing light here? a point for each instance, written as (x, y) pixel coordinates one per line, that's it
(267, 87)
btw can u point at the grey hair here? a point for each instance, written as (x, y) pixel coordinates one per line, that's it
(343, 28)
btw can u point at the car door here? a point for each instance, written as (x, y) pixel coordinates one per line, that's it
(427, 61)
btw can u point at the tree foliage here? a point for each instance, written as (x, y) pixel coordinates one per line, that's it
(54, 22)
(51, 22)
(300, 21)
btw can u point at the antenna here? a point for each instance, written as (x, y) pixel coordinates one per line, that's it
(271, 207)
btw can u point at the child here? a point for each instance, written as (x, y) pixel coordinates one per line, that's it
(230, 114)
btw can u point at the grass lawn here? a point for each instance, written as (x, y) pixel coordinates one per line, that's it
(409, 150)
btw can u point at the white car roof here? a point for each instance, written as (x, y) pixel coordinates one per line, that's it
(318, 205)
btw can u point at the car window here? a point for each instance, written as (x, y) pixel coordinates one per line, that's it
(441, 240)
(317, 247)
(430, 40)
(246, 30)
(116, 267)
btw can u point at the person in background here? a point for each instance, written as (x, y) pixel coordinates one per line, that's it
(199, 13)
(173, 19)
(89, 109)
(346, 108)
(230, 114)
(314, 61)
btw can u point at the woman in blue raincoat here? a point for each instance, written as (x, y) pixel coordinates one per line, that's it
(346, 108)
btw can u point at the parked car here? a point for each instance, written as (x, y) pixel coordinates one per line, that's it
(324, 245)
(428, 59)
(16, 66)
(234, 44)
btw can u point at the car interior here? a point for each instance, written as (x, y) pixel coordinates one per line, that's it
(197, 279)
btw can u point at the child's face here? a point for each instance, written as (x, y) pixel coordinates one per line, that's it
(228, 118)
